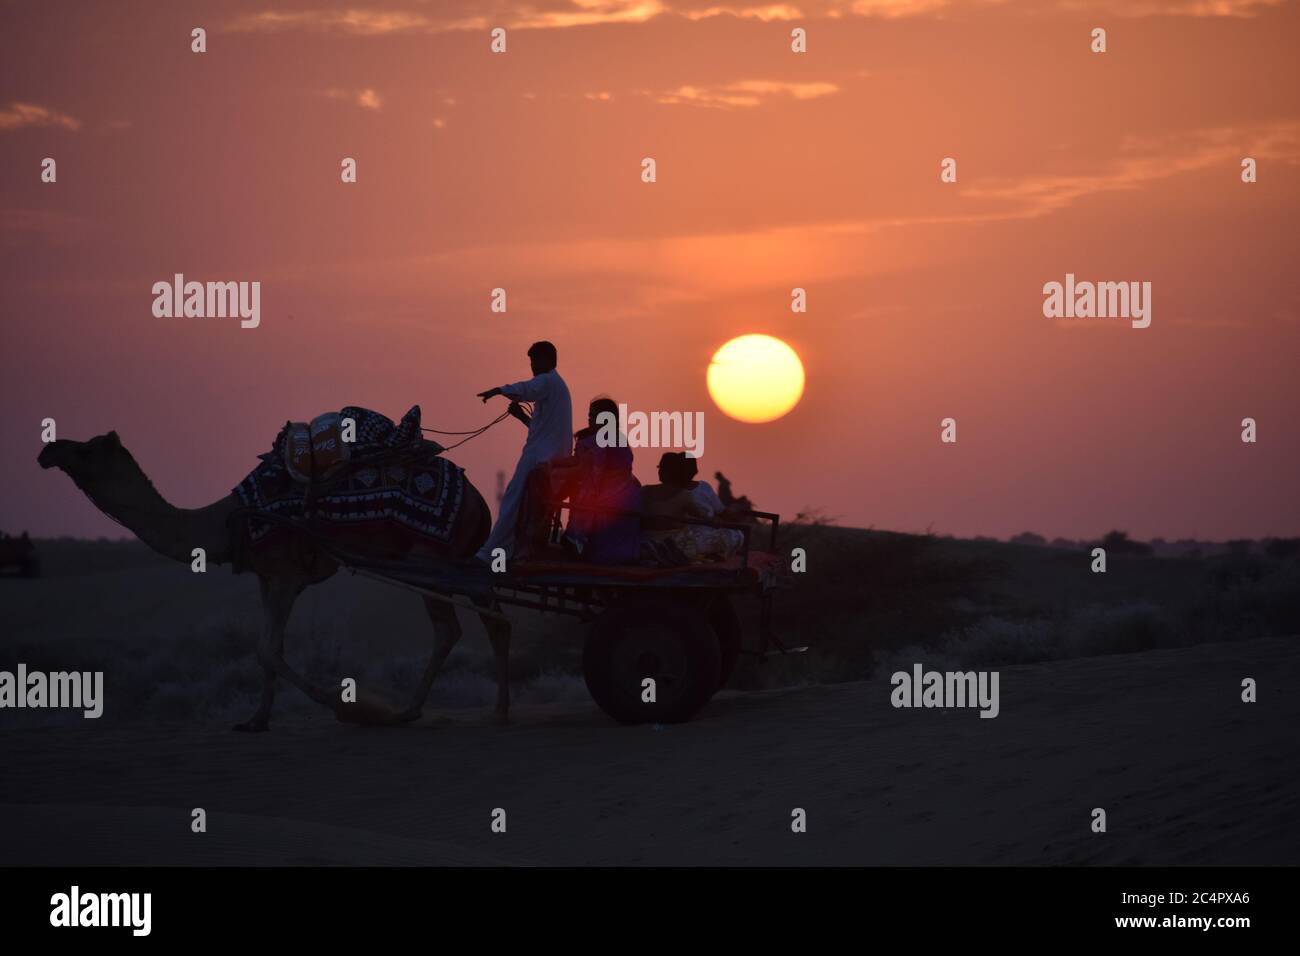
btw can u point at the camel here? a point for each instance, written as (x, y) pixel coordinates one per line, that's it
(109, 476)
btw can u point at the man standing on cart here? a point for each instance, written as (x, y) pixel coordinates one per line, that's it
(550, 437)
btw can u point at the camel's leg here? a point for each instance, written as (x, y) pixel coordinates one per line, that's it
(498, 632)
(446, 632)
(278, 595)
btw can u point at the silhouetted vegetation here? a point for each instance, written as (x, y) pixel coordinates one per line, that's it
(1118, 542)
(1282, 548)
(868, 599)
(1031, 539)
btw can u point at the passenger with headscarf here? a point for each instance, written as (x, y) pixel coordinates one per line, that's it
(604, 495)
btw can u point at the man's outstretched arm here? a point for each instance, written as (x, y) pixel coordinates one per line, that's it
(515, 410)
(529, 390)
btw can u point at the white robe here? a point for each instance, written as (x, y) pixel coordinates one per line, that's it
(550, 437)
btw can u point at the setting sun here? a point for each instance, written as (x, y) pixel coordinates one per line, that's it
(756, 378)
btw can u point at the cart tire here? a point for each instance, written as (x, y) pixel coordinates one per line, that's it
(672, 645)
(726, 624)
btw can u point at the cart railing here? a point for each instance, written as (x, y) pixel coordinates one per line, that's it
(745, 527)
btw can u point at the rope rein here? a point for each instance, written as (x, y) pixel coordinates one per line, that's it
(470, 435)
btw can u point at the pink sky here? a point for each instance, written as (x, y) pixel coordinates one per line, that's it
(775, 170)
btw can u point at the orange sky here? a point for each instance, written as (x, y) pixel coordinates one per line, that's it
(775, 170)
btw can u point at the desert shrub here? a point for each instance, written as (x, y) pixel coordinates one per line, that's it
(1281, 549)
(1230, 570)
(989, 641)
(864, 591)
(1262, 601)
(1118, 542)
(1092, 631)
(1125, 629)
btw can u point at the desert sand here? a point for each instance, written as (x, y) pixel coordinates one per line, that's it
(1187, 772)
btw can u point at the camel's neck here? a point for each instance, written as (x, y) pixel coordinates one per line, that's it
(171, 531)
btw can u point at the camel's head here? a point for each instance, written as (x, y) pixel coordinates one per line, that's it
(88, 462)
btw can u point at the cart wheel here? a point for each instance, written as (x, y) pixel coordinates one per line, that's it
(673, 646)
(722, 615)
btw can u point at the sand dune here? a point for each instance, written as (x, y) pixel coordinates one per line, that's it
(1187, 773)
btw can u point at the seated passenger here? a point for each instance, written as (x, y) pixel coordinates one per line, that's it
(599, 484)
(738, 509)
(680, 495)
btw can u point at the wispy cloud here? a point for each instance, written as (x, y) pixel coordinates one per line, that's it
(24, 115)
(897, 9)
(367, 99)
(447, 16)
(581, 13)
(1122, 8)
(744, 94)
(365, 23)
(1174, 8)
(764, 12)
(705, 263)
(376, 23)
(1150, 159)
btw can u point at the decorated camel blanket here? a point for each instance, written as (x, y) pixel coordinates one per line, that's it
(393, 494)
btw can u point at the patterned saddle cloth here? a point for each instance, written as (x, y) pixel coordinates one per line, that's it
(393, 491)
